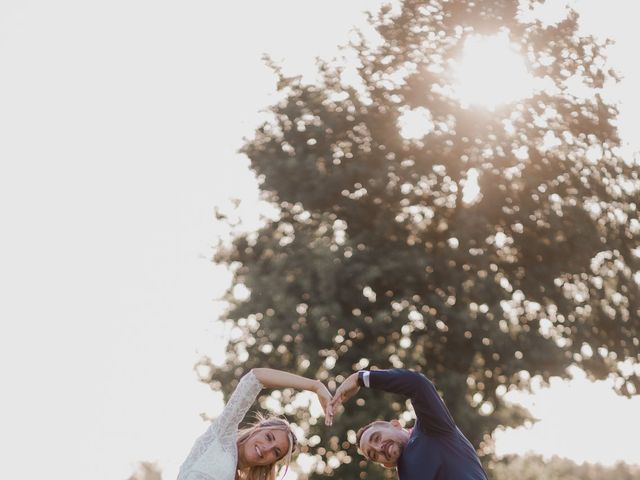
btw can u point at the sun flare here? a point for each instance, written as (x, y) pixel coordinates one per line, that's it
(491, 72)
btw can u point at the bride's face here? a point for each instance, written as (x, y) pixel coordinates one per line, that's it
(266, 446)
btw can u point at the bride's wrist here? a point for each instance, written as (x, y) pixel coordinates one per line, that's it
(315, 386)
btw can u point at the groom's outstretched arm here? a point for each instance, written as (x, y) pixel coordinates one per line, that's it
(433, 415)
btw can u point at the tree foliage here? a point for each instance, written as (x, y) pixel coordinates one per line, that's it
(376, 259)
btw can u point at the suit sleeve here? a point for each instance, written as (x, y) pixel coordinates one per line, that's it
(431, 412)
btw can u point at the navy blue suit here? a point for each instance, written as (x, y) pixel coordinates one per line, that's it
(437, 449)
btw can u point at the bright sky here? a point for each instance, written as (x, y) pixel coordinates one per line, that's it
(119, 123)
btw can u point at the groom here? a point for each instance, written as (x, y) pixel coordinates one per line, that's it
(435, 449)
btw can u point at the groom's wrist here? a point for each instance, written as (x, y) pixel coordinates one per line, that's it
(363, 378)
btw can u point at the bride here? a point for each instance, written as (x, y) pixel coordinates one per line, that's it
(224, 453)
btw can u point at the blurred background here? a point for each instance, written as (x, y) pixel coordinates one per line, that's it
(454, 191)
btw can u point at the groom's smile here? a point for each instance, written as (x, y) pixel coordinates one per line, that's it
(384, 442)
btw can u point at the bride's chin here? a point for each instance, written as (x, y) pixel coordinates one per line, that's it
(245, 458)
(250, 456)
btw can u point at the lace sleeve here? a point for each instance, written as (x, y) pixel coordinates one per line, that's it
(238, 405)
(225, 426)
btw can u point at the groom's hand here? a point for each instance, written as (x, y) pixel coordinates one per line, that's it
(347, 390)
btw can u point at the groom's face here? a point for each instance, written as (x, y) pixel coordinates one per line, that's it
(383, 443)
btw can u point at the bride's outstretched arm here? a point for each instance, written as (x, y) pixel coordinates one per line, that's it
(271, 378)
(225, 427)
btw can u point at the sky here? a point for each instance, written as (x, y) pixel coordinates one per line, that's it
(119, 127)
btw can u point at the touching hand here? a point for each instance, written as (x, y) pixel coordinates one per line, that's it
(347, 389)
(325, 401)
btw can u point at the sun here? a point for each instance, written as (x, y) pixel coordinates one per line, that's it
(491, 72)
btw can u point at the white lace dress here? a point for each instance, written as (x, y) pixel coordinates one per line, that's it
(214, 456)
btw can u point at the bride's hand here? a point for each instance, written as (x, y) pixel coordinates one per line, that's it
(325, 398)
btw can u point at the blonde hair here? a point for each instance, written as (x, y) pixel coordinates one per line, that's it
(266, 472)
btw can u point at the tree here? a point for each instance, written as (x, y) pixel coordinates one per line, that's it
(377, 259)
